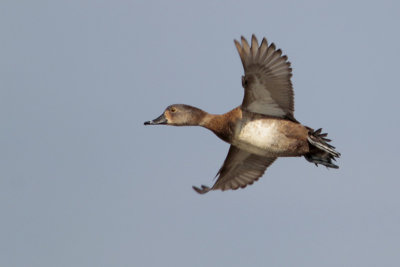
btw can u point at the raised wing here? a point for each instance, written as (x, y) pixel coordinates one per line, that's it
(268, 89)
(240, 169)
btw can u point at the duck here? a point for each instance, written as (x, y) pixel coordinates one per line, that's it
(263, 128)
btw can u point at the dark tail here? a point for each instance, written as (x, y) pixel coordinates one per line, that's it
(320, 151)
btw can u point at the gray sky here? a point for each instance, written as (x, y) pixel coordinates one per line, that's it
(84, 183)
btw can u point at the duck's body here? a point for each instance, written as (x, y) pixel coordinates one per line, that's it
(259, 134)
(263, 128)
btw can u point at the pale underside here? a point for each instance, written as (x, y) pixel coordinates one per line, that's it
(264, 137)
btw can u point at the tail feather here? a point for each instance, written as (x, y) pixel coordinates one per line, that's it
(320, 151)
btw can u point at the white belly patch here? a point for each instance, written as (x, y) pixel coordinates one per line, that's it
(261, 137)
(258, 133)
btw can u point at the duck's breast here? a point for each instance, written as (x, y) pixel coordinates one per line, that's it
(271, 137)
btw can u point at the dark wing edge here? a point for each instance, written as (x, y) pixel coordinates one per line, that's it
(240, 169)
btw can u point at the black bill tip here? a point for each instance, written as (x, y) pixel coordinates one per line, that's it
(157, 121)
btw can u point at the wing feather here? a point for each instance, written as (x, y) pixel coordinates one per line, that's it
(268, 89)
(240, 169)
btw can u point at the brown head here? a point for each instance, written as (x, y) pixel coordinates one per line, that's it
(179, 115)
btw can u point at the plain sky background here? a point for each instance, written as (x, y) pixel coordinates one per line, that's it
(84, 183)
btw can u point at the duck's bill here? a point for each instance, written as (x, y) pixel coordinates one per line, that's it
(157, 121)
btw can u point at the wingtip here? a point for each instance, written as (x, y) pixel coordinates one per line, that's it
(237, 44)
(245, 44)
(254, 39)
(264, 40)
(204, 189)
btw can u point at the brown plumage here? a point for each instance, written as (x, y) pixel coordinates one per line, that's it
(263, 128)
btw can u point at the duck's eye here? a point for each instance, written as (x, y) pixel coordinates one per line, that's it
(173, 109)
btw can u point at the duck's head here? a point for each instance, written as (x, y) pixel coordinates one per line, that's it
(179, 115)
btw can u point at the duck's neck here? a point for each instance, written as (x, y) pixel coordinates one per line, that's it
(222, 125)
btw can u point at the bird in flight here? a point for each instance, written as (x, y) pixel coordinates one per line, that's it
(263, 127)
